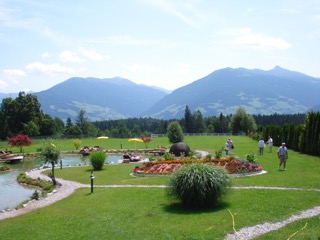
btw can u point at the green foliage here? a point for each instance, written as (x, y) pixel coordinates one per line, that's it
(174, 132)
(251, 157)
(50, 154)
(4, 168)
(168, 156)
(35, 195)
(194, 155)
(46, 186)
(199, 124)
(77, 143)
(310, 134)
(218, 154)
(188, 121)
(241, 122)
(86, 128)
(198, 185)
(20, 115)
(97, 159)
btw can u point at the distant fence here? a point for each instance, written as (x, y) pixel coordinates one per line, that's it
(194, 134)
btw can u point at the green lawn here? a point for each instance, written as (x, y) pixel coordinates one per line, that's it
(146, 213)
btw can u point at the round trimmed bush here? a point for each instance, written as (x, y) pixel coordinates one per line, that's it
(97, 159)
(198, 185)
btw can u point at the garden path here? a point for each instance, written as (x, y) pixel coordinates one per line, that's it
(68, 187)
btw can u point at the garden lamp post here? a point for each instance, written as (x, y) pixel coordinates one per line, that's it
(91, 177)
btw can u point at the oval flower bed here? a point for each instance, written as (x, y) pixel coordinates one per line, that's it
(233, 166)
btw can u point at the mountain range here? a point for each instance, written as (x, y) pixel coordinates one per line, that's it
(260, 92)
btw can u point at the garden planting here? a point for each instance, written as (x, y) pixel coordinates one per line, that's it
(165, 167)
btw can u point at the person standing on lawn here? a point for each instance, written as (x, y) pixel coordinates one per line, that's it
(283, 156)
(270, 144)
(261, 146)
(227, 146)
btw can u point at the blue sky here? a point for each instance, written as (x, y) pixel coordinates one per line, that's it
(164, 43)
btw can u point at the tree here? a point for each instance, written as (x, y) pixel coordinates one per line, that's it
(49, 126)
(87, 129)
(199, 125)
(69, 122)
(20, 115)
(76, 143)
(59, 125)
(73, 130)
(188, 121)
(146, 140)
(50, 154)
(175, 133)
(20, 141)
(31, 128)
(241, 122)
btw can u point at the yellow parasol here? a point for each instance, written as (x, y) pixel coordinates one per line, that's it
(102, 137)
(135, 140)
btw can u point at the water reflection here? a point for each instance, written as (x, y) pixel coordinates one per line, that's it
(12, 193)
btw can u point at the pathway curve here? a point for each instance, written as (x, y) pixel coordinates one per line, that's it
(68, 187)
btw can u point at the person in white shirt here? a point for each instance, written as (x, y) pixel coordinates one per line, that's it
(270, 144)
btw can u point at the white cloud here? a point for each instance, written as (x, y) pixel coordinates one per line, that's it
(246, 37)
(49, 68)
(91, 54)
(68, 56)
(138, 68)
(3, 84)
(14, 73)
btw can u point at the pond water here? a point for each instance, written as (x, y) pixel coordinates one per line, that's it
(12, 193)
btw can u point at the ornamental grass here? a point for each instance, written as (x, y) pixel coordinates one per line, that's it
(198, 185)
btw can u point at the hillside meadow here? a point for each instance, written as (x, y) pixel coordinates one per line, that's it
(146, 213)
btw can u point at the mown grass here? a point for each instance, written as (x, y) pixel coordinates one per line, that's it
(146, 213)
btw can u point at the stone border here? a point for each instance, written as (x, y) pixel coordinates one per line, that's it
(249, 174)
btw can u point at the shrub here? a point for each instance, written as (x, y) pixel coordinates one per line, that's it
(35, 195)
(4, 168)
(76, 143)
(174, 132)
(218, 154)
(168, 156)
(198, 185)
(97, 159)
(251, 157)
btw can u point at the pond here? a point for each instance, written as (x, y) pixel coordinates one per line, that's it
(12, 193)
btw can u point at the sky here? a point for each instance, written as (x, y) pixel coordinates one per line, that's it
(163, 43)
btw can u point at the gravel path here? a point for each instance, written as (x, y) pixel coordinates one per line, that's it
(68, 187)
(257, 230)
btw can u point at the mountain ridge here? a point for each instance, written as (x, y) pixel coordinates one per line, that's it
(264, 92)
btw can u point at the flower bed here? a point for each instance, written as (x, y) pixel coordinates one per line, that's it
(233, 166)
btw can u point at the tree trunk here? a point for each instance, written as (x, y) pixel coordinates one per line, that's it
(52, 174)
